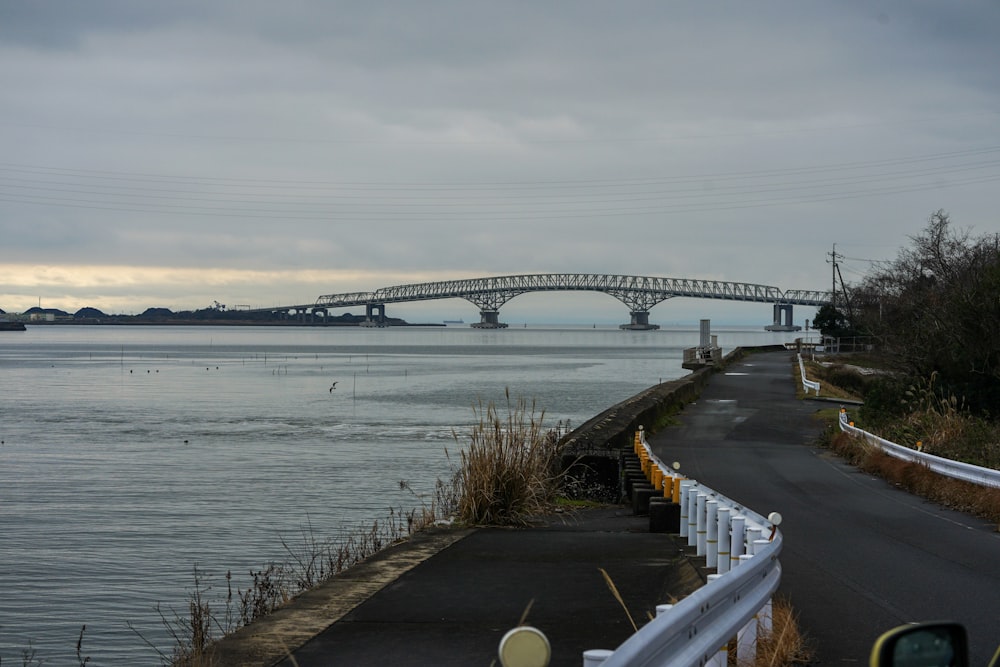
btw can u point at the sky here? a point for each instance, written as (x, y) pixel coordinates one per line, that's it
(175, 154)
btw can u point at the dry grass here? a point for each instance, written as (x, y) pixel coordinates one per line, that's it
(786, 645)
(510, 469)
(308, 564)
(944, 426)
(919, 479)
(827, 389)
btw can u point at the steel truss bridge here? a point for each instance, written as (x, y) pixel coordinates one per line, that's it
(638, 293)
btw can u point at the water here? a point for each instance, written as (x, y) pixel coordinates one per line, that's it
(133, 455)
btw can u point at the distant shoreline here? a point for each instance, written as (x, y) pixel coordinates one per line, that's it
(216, 323)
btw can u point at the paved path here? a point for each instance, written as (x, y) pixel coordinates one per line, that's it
(859, 556)
(454, 607)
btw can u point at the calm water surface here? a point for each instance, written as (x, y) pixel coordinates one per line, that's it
(133, 455)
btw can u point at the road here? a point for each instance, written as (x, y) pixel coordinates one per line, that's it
(860, 556)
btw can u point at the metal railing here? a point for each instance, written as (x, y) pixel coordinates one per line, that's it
(942, 466)
(807, 384)
(742, 545)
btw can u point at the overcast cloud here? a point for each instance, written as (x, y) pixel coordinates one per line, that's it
(264, 153)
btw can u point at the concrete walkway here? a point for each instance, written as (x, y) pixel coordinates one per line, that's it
(448, 597)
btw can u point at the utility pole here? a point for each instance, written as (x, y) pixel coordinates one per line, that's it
(833, 285)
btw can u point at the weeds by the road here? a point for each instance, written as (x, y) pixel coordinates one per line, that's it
(918, 479)
(785, 645)
(919, 415)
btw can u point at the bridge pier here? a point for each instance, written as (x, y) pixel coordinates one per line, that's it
(783, 319)
(640, 322)
(489, 319)
(374, 315)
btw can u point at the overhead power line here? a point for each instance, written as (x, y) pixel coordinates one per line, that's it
(177, 194)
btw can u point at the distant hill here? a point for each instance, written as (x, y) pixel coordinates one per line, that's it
(89, 313)
(35, 310)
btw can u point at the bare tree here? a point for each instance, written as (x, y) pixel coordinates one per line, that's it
(936, 309)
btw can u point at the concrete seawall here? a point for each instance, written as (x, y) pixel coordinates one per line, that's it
(592, 456)
(614, 428)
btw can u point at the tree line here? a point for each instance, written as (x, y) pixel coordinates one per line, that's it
(932, 314)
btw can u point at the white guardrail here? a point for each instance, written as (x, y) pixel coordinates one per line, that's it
(954, 469)
(742, 545)
(807, 385)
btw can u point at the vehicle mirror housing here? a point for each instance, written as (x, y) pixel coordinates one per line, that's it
(937, 644)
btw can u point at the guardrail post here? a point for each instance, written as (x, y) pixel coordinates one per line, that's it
(746, 638)
(721, 657)
(723, 531)
(595, 657)
(712, 536)
(765, 617)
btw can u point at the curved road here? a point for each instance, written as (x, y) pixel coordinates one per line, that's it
(859, 556)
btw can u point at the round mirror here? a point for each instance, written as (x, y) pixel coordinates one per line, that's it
(525, 646)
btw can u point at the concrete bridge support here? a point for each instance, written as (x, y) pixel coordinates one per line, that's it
(489, 319)
(374, 315)
(783, 319)
(640, 322)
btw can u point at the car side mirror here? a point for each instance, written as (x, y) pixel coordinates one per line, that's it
(939, 644)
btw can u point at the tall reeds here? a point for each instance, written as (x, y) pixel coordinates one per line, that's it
(510, 467)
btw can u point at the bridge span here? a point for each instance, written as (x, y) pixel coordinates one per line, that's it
(638, 293)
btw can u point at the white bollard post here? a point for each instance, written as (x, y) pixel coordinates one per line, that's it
(701, 528)
(753, 534)
(736, 539)
(692, 517)
(723, 565)
(712, 537)
(685, 490)
(595, 657)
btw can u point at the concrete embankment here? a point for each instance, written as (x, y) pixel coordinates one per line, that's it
(614, 428)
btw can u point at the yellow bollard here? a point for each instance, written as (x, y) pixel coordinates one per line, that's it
(677, 490)
(668, 486)
(657, 476)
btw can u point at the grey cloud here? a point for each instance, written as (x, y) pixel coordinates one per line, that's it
(659, 138)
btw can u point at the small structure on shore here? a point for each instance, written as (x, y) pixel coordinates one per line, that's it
(708, 352)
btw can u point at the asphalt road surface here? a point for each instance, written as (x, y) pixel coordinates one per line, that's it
(860, 556)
